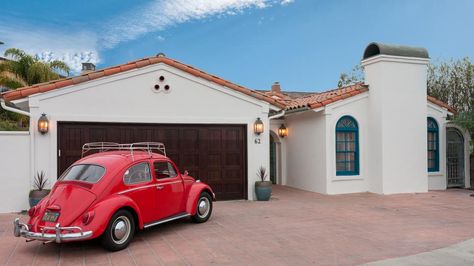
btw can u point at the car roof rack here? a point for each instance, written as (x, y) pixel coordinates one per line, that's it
(113, 146)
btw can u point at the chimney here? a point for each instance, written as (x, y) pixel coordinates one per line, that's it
(276, 87)
(396, 76)
(87, 68)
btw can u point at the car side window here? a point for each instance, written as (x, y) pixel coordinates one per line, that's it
(164, 170)
(137, 174)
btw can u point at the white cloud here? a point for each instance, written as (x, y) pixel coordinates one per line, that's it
(286, 2)
(74, 48)
(161, 14)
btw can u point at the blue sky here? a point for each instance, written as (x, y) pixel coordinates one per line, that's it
(304, 44)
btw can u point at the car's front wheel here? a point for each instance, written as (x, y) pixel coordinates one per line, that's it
(203, 208)
(119, 232)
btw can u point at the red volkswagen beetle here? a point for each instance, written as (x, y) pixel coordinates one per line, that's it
(112, 193)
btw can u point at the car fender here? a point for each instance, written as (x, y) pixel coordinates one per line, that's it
(193, 196)
(104, 210)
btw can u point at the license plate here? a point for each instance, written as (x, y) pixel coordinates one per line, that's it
(50, 216)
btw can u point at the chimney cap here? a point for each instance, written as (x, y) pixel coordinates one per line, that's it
(374, 49)
(88, 66)
(276, 87)
(160, 54)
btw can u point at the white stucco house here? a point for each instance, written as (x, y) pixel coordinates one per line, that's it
(383, 136)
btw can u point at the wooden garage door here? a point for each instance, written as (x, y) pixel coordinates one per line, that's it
(214, 153)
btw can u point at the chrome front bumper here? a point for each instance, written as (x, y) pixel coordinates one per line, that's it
(21, 229)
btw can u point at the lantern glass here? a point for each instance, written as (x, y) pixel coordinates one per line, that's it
(258, 127)
(43, 124)
(283, 131)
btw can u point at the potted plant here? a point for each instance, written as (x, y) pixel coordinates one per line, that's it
(39, 191)
(263, 188)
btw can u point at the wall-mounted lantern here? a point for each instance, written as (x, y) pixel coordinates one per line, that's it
(282, 131)
(258, 126)
(43, 124)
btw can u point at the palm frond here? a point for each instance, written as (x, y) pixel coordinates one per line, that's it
(59, 66)
(14, 53)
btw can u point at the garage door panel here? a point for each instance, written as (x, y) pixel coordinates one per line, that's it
(144, 134)
(233, 159)
(127, 134)
(214, 175)
(214, 153)
(215, 140)
(214, 160)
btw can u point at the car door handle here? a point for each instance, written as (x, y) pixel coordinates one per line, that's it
(159, 187)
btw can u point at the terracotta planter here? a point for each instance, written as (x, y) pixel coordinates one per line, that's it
(36, 195)
(263, 189)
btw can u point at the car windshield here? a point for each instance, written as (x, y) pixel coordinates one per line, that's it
(89, 173)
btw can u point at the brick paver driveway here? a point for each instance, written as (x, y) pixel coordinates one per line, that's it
(294, 228)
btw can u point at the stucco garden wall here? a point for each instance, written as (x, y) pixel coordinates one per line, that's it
(15, 172)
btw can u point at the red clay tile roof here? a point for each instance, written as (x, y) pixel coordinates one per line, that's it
(441, 104)
(313, 100)
(324, 98)
(57, 84)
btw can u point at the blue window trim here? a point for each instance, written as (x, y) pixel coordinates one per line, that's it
(356, 152)
(434, 129)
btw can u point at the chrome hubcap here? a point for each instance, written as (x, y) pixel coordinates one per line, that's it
(203, 207)
(121, 229)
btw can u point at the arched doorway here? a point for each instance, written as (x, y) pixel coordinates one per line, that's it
(274, 158)
(455, 158)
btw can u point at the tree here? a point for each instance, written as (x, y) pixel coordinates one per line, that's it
(356, 75)
(24, 70)
(453, 83)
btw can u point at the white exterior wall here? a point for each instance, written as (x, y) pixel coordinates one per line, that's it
(129, 98)
(15, 172)
(438, 180)
(356, 107)
(306, 151)
(397, 124)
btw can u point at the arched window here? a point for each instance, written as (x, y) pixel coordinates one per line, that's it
(433, 145)
(347, 146)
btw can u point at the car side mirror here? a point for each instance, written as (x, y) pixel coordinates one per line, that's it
(186, 172)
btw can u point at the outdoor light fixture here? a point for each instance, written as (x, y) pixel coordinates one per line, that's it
(258, 126)
(283, 131)
(43, 124)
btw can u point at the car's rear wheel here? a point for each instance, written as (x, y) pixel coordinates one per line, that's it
(203, 208)
(119, 232)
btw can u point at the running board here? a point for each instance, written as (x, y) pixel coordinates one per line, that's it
(171, 218)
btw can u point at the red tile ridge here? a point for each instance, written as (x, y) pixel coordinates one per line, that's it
(56, 84)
